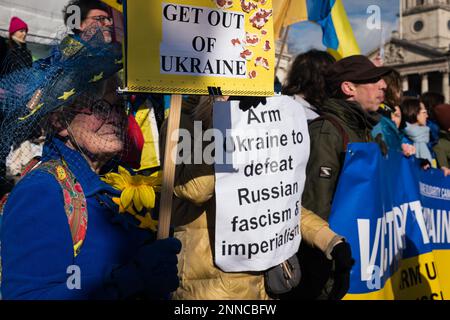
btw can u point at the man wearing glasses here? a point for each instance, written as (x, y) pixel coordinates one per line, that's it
(94, 17)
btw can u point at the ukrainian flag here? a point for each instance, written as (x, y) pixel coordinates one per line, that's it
(338, 35)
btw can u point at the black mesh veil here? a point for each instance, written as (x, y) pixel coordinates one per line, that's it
(68, 96)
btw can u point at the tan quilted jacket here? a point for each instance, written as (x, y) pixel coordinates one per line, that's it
(193, 218)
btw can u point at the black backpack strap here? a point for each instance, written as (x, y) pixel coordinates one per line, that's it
(335, 122)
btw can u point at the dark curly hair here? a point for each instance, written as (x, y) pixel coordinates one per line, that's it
(394, 92)
(306, 76)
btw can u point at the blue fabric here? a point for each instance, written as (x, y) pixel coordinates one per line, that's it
(37, 244)
(320, 12)
(390, 133)
(407, 140)
(388, 228)
(434, 133)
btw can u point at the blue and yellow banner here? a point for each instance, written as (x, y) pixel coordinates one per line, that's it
(435, 197)
(390, 212)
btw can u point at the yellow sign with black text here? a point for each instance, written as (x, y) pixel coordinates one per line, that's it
(418, 278)
(200, 47)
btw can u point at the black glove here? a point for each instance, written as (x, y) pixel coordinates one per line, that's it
(246, 103)
(383, 146)
(425, 164)
(342, 264)
(153, 270)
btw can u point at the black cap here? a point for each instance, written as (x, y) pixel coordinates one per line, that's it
(357, 68)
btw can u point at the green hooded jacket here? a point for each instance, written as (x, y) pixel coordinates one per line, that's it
(322, 173)
(442, 149)
(328, 151)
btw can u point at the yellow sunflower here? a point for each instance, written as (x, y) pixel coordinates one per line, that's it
(146, 221)
(138, 191)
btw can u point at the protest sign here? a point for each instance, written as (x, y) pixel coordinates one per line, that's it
(200, 47)
(259, 183)
(377, 207)
(435, 197)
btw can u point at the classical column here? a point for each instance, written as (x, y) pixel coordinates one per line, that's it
(424, 87)
(405, 83)
(445, 86)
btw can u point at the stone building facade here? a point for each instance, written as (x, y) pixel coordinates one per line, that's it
(422, 53)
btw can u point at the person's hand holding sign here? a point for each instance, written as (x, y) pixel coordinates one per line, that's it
(246, 103)
(342, 265)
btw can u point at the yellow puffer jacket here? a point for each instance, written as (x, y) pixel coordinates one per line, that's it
(193, 218)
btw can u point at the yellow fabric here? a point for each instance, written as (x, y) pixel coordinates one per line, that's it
(315, 231)
(114, 4)
(193, 218)
(434, 164)
(76, 248)
(150, 151)
(347, 41)
(287, 12)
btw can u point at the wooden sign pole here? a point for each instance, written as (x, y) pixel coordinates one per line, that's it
(173, 125)
(283, 44)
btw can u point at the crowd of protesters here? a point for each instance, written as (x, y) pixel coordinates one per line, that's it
(360, 102)
(14, 52)
(86, 130)
(74, 220)
(14, 56)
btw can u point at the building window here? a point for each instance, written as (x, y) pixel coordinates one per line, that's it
(420, 2)
(418, 26)
(448, 24)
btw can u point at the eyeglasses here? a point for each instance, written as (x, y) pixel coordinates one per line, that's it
(102, 19)
(102, 109)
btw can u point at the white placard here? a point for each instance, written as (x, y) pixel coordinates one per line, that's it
(259, 188)
(191, 49)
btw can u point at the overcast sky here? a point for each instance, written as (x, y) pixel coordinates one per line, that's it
(306, 35)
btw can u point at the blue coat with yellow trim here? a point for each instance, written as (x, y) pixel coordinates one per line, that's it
(37, 252)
